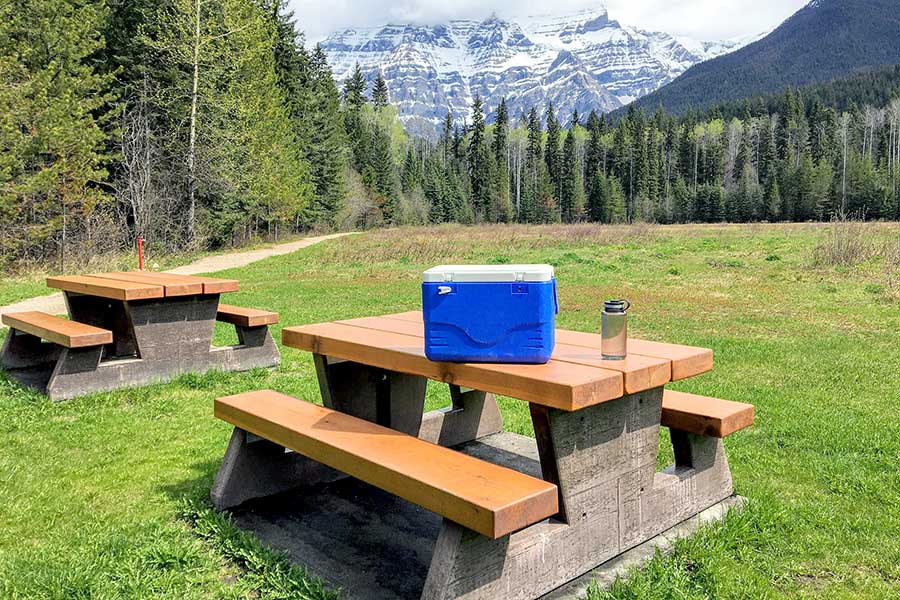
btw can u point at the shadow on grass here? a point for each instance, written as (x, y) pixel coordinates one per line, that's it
(195, 488)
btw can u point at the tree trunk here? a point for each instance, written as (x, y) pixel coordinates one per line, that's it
(192, 143)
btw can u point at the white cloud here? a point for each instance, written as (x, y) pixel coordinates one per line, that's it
(701, 19)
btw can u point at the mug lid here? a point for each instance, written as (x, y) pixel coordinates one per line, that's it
(616, 306)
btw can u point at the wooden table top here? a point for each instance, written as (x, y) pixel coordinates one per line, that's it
(576, 376)
(141, 285)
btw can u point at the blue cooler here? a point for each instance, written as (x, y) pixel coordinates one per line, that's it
(490, 313)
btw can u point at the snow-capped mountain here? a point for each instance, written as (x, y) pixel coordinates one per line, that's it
(581, 61)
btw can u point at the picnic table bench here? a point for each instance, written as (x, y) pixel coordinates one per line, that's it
(132, 328)
(520, 517)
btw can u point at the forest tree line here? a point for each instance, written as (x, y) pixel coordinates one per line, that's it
(803, 162)
(198, 124)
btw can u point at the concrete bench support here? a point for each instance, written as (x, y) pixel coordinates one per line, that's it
(601, 516)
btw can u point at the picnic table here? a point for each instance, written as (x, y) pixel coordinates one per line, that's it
(132, 328)
(520, 517)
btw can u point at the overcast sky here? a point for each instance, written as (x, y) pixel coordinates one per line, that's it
(700, 19)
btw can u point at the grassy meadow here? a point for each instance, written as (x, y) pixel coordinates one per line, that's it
(105, 496)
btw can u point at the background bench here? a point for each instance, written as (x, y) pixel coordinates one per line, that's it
(245, 317)
(58, 368)
(64, 332)
(702, 415)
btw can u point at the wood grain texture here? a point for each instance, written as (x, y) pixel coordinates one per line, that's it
(686, 361)
(706, 416)
(245, 317)
(639, 372)
(486, 498)
(211, 285)
(564, 385)
(70, 334)
(172, 286)
(106, 288)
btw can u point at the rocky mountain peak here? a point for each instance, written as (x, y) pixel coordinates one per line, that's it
(582, 61)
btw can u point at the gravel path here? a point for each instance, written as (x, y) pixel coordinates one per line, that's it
(55, 305)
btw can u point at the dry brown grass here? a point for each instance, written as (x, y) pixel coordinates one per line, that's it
(449, 242)
(845, 245)
(891, 255)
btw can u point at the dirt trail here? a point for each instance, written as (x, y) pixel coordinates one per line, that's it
(55, 305)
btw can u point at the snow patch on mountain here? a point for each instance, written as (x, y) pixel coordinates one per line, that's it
(580, 61)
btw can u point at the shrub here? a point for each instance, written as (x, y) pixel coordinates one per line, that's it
(845, 244)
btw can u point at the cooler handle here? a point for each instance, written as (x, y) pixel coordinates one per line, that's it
(555, 298)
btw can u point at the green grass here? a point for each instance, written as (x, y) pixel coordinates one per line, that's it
(104, 496)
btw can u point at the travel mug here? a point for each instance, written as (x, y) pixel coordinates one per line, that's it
(614, 330)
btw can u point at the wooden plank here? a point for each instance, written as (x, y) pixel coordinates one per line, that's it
(484, 497)
(106, 288)
(558, 384)
(640, 372)
(64, 332)
(245, 317)
(687, 361)
(211, 285)
(703, 415)
(412, 315)
(172, 287)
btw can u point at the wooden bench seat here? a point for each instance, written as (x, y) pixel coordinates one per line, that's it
(486, 498)
(703, 415)
(245, 317)
(64, 332)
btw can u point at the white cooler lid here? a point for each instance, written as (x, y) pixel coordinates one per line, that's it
(487, 273)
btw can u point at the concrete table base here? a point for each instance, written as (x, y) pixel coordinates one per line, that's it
(375, 546)
(602, 458)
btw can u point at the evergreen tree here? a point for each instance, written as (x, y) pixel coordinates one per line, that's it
(683, 207)
(326, 153)
(380, 91)
(410, 176)
(597, 197)
(594, 153)
(383, 174)
(53, 107)
(446, 139)
(478, 164)
(615, 202)
(552, 152)
(355, 88)
(500, 150)
(354, 96)
(533, 203)
(293, 71)
(572, 199)
(772, 200)
(313, 102)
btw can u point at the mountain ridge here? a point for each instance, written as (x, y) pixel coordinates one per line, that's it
(580, 61)
(823, 41)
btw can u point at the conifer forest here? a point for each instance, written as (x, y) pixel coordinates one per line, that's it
(199, 125)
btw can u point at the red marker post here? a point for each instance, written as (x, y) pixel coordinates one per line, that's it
(140, 242)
